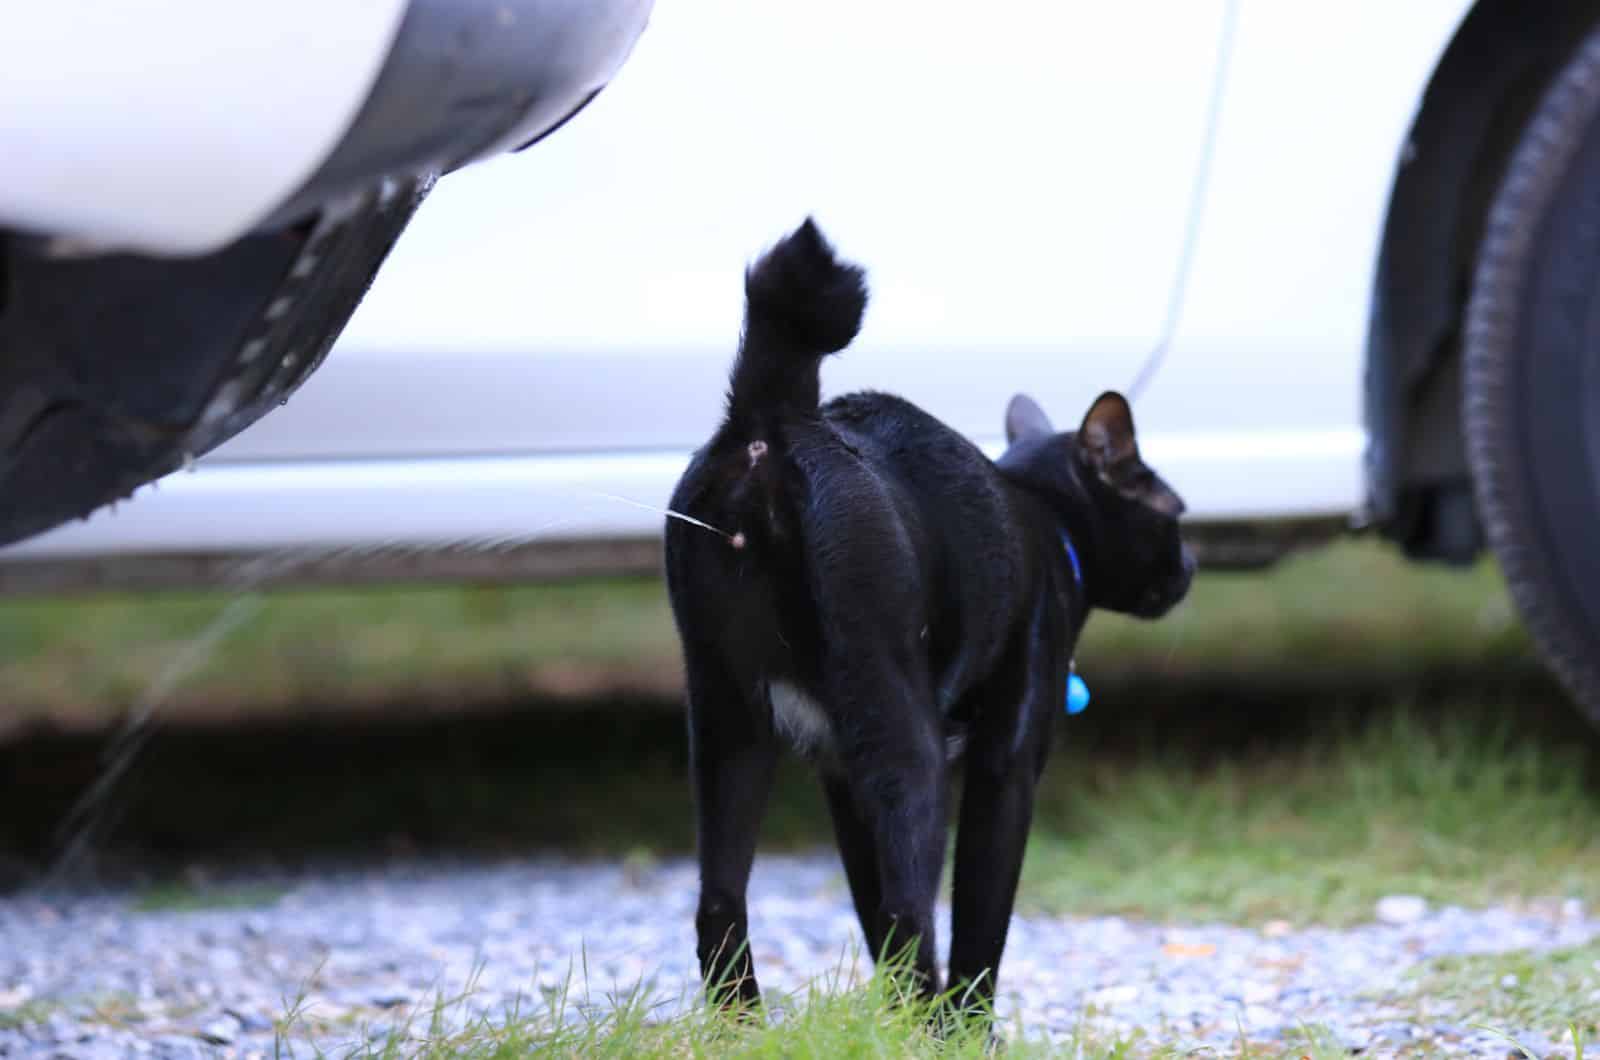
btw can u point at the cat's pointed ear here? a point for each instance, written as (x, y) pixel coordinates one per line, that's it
(1106, 442)
(1025, 419)
(1106, 437)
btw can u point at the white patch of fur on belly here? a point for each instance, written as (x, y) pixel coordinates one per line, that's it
(798, 718)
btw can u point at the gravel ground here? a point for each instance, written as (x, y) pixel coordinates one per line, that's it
(93, 977)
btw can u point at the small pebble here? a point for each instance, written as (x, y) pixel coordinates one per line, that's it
(175, 1047)
(91, 1051)
(224, 961)
(1353, 1039)
(221, 1031)
(1259, 993)
(1536, 1043)
(1401, 909)
(250, 1022)
(1114, 995)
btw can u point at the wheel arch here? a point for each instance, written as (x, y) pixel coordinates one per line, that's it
(1491, 75)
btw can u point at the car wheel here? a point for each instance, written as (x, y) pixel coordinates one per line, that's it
(1531, 392)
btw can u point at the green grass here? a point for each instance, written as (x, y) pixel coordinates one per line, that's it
(873, 1019)
(1556, 991)
(1355, 606)
(27, 1014)
(1461, 804)
(85, 660)
(182, 897)
(1465, 809)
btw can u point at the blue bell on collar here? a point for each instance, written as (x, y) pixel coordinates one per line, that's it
(1077, 694)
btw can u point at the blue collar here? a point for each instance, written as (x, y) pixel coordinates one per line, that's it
(1072, 554)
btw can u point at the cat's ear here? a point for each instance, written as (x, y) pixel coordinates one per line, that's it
(1025, 419)
(1106, 438)
(1107, 444)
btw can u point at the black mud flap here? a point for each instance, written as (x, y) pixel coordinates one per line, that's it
(117, 369)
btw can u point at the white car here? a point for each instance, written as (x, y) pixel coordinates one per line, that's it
(1342, 256)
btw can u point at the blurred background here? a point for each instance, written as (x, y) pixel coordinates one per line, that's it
(1294, 742)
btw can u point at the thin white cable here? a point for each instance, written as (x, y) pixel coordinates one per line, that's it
(1175, 301)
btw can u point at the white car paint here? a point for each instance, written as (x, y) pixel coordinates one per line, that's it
(1042, 195)
(1273, 331)
(173, 126)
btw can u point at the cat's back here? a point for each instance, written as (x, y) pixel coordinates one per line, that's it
(893, 428)
(947, 472)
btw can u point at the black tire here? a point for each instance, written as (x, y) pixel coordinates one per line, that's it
(1531, 392)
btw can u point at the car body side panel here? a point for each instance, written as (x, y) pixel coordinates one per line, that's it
(1016, 177)
(497, 501)
(1272, 335)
